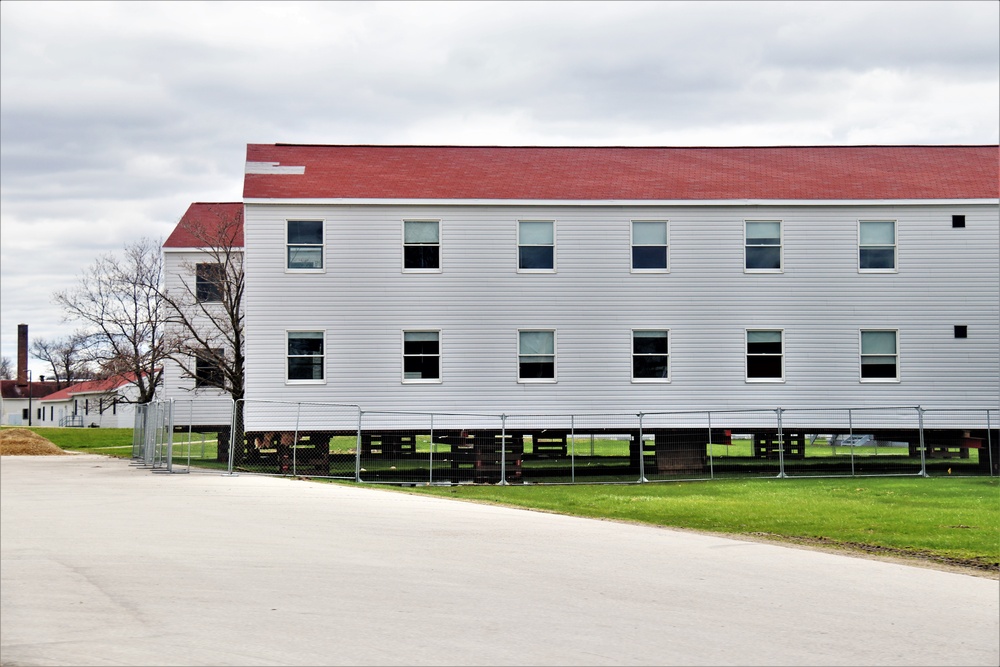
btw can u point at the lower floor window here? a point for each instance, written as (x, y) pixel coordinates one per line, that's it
(536, 355)
(650, 357)
(208, 369)
(764, 355)
(879, 356)
(421, 356)
(306, 355)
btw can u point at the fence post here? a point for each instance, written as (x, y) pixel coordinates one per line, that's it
(430, 477)
(850, 433)
(781, 448)
(642, 454)
(503, 450)
(357, 449)
(295, 438)
(989, 442)
(572, 448)
(923, 451)
(711, 448)
(170, 436)
(232, 434)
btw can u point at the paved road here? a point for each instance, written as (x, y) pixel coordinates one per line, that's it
(104, 563)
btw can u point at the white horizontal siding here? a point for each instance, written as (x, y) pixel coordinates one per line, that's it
(193, 405)
(363, 300)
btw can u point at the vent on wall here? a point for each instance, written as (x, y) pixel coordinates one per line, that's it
(961, 331)
(958, 221)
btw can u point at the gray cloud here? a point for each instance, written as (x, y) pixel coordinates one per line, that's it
(116, 116)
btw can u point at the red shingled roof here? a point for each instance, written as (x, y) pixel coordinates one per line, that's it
(625, 173)
(92, 387)
(202, 220)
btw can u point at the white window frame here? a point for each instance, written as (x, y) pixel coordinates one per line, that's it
(645, 380)
(632, 246)
(403, 356)
(288, 380)
(895, 248)
(861, 356)
(746, 356)
(555, 356)
(322, 247)
(405, 269)
(781, 247)
(520, 245)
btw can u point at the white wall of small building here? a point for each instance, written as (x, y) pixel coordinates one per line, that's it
(363, 301)
(193, 405)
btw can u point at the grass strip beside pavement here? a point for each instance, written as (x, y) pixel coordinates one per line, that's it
(951, 521)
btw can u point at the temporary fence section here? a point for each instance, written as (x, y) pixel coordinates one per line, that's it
(152, 435)
(346, 442)
(315, 439)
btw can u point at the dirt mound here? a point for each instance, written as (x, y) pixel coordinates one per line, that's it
(22, 442)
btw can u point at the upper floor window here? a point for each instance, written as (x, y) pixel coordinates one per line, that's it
(650, 355)
(536, 249)
(421, 245)
(763, 246)
(877, 245)
(879, 356)
(208, 282)
(765, 357)
(421, 356)
(649, 245)
(536, 356)
(305, 244)
(306, 355)
(208, 369)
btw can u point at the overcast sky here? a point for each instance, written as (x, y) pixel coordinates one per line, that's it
(114, 117)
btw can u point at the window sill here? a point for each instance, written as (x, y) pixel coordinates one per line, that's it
(307, 271)
(650, 380)
(296, 383)
(537, 381)
(765, 380)
(405, 270)
(434, 381)
(654, 271)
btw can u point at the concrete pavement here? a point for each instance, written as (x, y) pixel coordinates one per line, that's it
(103, 563)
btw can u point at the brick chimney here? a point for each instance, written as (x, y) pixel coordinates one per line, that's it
(22, 355)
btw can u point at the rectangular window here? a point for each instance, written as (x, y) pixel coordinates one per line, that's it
(305, 244)
(208, 282)
(421, 245)
(306, 355)
(649, 246)
(763, 245)
(536, 249)
(879, 356)
(208, 369)
(765, 359)
(421, 356)
(536, 356)
(877, 245)
(650, 355)
(958, 221)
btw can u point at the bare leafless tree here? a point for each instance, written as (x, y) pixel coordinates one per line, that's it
(68, 357)
(118, 301)
(6, 368)
(205, 312)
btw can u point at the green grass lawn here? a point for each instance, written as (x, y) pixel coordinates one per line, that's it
(943, 519)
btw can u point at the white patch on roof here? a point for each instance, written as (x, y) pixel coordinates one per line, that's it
(272, 168)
